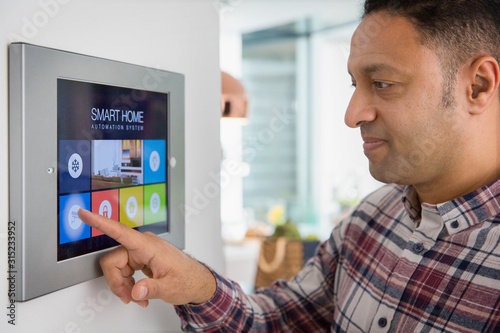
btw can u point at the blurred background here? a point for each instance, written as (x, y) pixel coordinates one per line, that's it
(290, 157)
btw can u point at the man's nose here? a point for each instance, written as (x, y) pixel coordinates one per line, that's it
(360, 110)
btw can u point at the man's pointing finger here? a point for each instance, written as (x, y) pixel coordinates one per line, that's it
(124, 235)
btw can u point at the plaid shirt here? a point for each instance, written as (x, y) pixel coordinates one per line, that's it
(393, 265)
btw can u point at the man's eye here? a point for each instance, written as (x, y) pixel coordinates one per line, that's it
(381, 85)
(353, 84)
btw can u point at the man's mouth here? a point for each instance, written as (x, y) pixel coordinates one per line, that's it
(371, 144)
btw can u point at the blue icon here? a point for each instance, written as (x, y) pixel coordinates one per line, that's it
(74, 166)
(155, 161)
(71, 228)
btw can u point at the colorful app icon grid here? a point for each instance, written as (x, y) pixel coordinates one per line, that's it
(155, 204)
(71, 228)
(74, 166)
(134, 206)
(105, 203)
(131, 206)
(155, 163)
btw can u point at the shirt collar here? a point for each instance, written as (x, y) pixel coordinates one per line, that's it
(460, 213)
(411, 203)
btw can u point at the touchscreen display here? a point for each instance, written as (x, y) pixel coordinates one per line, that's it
(112, 150)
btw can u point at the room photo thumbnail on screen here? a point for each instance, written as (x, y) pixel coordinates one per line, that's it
(117, 163)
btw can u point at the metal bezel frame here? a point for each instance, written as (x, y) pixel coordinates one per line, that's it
(33, 73)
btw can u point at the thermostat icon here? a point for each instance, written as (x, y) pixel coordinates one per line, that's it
(73, 219)
(75, 165)
(154, 161)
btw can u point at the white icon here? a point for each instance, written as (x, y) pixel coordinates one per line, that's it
(73, 219)
(75, 165)
(154, 203)
(154, 161)
(131, 207)
(105, 209)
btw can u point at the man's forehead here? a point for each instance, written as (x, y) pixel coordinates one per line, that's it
(380, 30)
(382, 41)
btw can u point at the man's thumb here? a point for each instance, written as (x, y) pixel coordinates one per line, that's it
(145, 289)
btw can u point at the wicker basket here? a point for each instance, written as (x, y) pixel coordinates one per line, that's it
(279, 259)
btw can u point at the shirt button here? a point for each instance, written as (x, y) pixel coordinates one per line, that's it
(418, 247)
(455, 224)
(382, 322)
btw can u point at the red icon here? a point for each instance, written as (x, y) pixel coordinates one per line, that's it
(105, 203)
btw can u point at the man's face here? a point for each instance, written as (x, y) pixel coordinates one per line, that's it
(410, 138)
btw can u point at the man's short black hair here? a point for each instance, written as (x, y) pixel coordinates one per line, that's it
(455, 30)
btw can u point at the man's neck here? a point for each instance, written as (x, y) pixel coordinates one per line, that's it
(451, 187)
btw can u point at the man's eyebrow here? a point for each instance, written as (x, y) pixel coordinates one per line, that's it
(387, 68)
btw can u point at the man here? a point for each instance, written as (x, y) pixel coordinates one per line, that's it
(420, 256)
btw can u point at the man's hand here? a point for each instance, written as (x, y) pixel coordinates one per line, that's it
(174, 277)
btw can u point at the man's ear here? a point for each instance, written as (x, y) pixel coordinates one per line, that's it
(483, 88)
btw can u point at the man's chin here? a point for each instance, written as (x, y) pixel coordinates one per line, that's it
(389, 175)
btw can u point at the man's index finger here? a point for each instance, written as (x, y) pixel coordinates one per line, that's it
(124, 235)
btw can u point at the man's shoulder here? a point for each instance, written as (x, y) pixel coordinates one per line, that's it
(386, 201)
(382, 206)
(381, 210)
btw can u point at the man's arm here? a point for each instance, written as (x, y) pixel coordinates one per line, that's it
(304, 304)
(173, 276)
(210, 304)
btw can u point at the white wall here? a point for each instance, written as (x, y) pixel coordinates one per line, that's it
(175, 35)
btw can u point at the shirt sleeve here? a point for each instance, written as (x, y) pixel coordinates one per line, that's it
(304, 304)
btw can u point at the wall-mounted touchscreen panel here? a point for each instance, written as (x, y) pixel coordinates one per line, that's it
(93, 133)
(112, 149)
